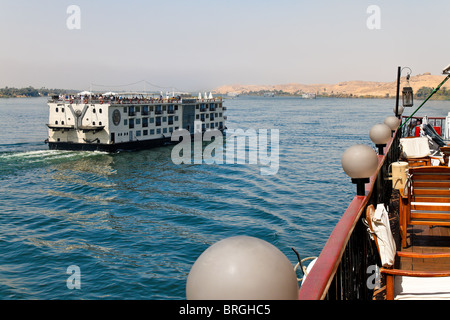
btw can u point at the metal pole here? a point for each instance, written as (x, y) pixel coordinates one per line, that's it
(399, 70)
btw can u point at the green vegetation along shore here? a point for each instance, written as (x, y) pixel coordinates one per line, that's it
(8, 92)
(422, 93)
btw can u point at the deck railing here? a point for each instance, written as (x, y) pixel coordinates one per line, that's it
(117, 100)
(409, 129)
(343, 267)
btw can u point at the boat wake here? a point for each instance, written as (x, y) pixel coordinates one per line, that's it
(43, 155)
(11, 161)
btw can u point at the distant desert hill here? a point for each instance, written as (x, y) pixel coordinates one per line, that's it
(354, 88)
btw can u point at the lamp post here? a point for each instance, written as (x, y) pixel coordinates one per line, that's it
(359, 162)
(399, 72)
(380, 134)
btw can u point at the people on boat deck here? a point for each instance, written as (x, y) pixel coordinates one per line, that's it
(116, 99)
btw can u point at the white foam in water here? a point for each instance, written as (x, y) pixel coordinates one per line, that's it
(42, 155)
(30, 154)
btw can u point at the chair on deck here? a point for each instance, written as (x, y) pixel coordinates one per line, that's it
(425, 199)
(446, 152)
(405, 284)
(416, 151)
(425, 150)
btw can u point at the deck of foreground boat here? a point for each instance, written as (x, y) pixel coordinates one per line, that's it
(425, 239)
(346, 267)
(421, 239)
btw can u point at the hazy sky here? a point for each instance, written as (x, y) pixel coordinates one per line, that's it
(199, 45)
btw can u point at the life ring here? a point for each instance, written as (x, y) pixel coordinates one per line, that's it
(101, 101)
(85, 101)
(70, 101)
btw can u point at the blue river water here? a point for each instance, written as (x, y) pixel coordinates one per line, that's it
(134, 222)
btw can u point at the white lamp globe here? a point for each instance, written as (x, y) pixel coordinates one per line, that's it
(392, 122)
(359, 161)
(400, 110)
(380, 134)
(242, 268)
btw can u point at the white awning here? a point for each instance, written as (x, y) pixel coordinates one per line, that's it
(85, 93)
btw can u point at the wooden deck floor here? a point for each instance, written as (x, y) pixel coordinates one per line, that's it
(421, 239)
(425, 239)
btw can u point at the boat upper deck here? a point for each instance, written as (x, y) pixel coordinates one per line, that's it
(131, 99)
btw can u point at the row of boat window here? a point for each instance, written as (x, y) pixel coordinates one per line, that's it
(159, 109)
(93, 110)
(93, 122)
(170, 120)
(204, 107)
(158, 121)
(145, 121)
(146, 132)
(147, 109)
(145, 124)
(209, 116)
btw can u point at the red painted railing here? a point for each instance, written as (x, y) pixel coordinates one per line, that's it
(318, 280)
(323, 274)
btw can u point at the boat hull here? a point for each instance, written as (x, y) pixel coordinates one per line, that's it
(122, 146)
(126, 146)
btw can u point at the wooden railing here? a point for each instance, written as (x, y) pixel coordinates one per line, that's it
(342, 268)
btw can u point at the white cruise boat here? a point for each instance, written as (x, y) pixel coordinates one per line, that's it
(308, 95)
(112, 122)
